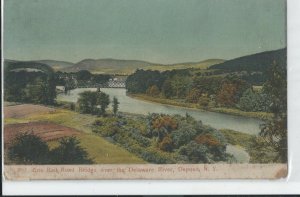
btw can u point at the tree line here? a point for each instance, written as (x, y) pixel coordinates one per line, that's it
(228, 90)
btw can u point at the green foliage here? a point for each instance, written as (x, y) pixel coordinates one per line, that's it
(274, 132)
(103, 101)
(88, 102)
(83, 75)
(183, 135)
(166, 144)
(159, 137)
(28, 149)
(193, 96)
(107, 129)
(175, 83)
(231, 90)
(180, 85)
(197, 153)
(254, 101)
(153, 91)
(141, 80)
(69, 152)
(31, 87)
(154, 156)
(204, 101)
(261, 152)
(23, 78)
(207, 85)
(166, 89)
(115, 105)
(100, 78)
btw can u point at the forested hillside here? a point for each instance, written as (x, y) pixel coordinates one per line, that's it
(256, 62)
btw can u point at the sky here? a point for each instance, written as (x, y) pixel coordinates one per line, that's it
(160, 31)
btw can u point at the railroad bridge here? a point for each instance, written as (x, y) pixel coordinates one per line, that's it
(116, 82)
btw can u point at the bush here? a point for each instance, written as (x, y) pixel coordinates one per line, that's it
(153, 156)
(253, 101)
(183, 135)
(196, 153)
(28, 148)
(69, 152)
(166, 144)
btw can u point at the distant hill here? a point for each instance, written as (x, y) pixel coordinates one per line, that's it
(56, 65)
(107, 65)
(256, 62)
(115, 66)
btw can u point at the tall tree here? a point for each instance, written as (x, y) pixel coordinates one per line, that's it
(115, 105)
(103, 101)
(274, 132)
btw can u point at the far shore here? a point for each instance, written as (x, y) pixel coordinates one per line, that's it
(231, 111)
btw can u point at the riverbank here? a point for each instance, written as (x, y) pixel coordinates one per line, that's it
(231, 111)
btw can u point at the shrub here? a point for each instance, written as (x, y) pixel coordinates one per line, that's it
(166, 144)
(183, 135)
(208, 140)
(28, 148)
(153, 156)
(69, 152)
(196, 153)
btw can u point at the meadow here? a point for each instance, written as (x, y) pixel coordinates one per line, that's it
(100, 150)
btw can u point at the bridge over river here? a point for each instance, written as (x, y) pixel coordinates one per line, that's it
(117, 82)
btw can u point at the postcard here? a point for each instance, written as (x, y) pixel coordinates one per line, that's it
(144, 89)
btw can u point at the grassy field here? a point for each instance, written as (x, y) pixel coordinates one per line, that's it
(102, 151)
(260, 115)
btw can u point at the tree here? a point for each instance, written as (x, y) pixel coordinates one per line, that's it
(100, 78)
(166, 144)
(274, 132)
(88, 102)
(166, 90)
(115, 105)
(153, 91)
(183, 135)
(180, 85)
(28, 148)
(69, 152)
(141, 80)
(226, 95)
(204, 101)
(197, 153)
(232, 89)
(83, 75)
(51, 89)
(103, 101)
(254, 101)
(193, 95)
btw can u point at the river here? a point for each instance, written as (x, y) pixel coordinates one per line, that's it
(131, 105)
